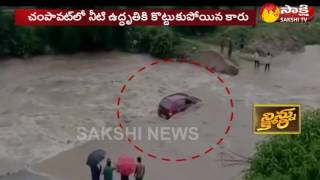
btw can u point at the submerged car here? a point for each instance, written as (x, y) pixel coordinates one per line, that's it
(175, 103)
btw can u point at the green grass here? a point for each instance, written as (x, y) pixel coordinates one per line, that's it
(186, 47)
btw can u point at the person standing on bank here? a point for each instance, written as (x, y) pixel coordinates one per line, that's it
(96, 172)
(267, 62)
(140, 169)
(222, 46)
(256, 60)
(108, 170)
(230, 48)
(222, 43)
(94, 162)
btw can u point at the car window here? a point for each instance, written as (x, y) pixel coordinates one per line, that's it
(181, 102)
(166, 103)
(188, 101)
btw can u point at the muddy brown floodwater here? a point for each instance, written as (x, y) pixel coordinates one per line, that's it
(45, 99)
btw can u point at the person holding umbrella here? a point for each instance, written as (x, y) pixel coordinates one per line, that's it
(126, 166)
(124, 177)
(93, 162)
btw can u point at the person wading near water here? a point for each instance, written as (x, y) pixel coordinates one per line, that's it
(140, 170)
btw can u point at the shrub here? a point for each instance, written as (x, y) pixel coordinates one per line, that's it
(290, 157)
(157, 41)
(5, 34)
(96, 38)
(65, 39)
(118, 39)
(18, 41)
(162, 43)
(74, 39)
(136, 40)
(26, 42)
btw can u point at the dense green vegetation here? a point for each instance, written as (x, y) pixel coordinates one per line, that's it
(157, 41)
(28, 41)
(17, 41)
(290, 157)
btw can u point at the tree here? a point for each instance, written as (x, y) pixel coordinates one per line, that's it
(162, 44)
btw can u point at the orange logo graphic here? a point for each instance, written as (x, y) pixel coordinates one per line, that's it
(270, 13)
(276, 119)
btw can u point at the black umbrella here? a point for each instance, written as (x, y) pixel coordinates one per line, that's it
(96, 157)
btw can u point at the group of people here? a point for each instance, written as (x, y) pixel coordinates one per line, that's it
(109, 169)
(266, 60)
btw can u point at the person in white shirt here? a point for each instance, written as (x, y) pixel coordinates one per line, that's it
(268, 60)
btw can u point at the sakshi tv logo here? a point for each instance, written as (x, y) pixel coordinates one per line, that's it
(271, 13)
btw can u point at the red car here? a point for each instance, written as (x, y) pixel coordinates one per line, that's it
(175, 103)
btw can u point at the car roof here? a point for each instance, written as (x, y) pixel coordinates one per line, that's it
(176, 96)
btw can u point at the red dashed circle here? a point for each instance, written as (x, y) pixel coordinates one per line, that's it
(194, 156)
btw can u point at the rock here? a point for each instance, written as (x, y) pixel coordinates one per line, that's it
(69, 141)
(214, 60)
